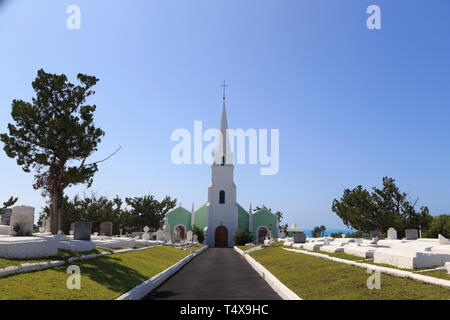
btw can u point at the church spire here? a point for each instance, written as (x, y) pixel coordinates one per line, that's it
(223, 154)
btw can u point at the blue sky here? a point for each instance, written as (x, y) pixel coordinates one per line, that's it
(352, 104)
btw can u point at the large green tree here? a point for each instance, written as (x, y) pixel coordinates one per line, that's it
(54, 134)
(147, 211)
(380, 209)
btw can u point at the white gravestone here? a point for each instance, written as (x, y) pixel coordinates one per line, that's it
(392, 234)
(146, 235)
(195, 238)
(159, 235)
(167, 238)
(22, 220)
(189, 235)
(443, 240)
(46, 225)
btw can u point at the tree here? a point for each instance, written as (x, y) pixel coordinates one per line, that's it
(242, 237)
(200, 235)
(322, 230)
(52, 133)
(90, 209)
(439, 225)
(147, 211)
(10, 202)
(279, 215)
(381, 209)
(318, 231)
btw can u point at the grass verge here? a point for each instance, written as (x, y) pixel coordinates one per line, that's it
(103, 278)
(314, 278)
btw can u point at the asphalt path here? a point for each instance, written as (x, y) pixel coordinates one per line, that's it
(216, 274)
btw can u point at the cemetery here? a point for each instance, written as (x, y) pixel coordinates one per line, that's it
(27, 257)
(412, 263)
(314, 277)
(408, 253)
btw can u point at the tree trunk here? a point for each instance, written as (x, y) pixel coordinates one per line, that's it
(56, 212)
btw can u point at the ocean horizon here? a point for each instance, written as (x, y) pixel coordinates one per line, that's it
(328, 231)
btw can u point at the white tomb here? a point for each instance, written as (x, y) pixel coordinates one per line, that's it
(27, 247)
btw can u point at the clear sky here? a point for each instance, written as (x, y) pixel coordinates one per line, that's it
(352, 104)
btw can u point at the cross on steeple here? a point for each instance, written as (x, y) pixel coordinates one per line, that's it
(224, 85)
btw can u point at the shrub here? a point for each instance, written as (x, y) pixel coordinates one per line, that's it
(439, 225)
(199, 233)
(242, 237)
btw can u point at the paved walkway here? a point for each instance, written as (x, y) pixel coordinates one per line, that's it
(216, 274)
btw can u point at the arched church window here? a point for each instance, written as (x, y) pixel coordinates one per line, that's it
(222, 197)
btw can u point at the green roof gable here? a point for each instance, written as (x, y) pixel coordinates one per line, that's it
(179, 216)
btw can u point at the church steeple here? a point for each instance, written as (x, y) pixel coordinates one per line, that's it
(223, 155)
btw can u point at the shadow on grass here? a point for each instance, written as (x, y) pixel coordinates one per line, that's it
(109, 272)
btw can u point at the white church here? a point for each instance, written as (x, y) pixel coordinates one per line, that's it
(222, 215)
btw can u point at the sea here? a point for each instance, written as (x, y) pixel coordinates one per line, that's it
(328, 231)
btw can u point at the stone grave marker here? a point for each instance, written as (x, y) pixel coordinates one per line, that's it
(5, 216)
(443, 240)
(106, 229)
(189, 235)
(82, 231)
(375, 234)
(411, 234)
(22, 220)
(159, 235)
(299, 237)
(392, 234)
(146, 235)
(195, 238)
(46, 224)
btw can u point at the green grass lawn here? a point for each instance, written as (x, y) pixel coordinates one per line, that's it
(62, 255)
(320, 279)
(103, 278)
(342, 255)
